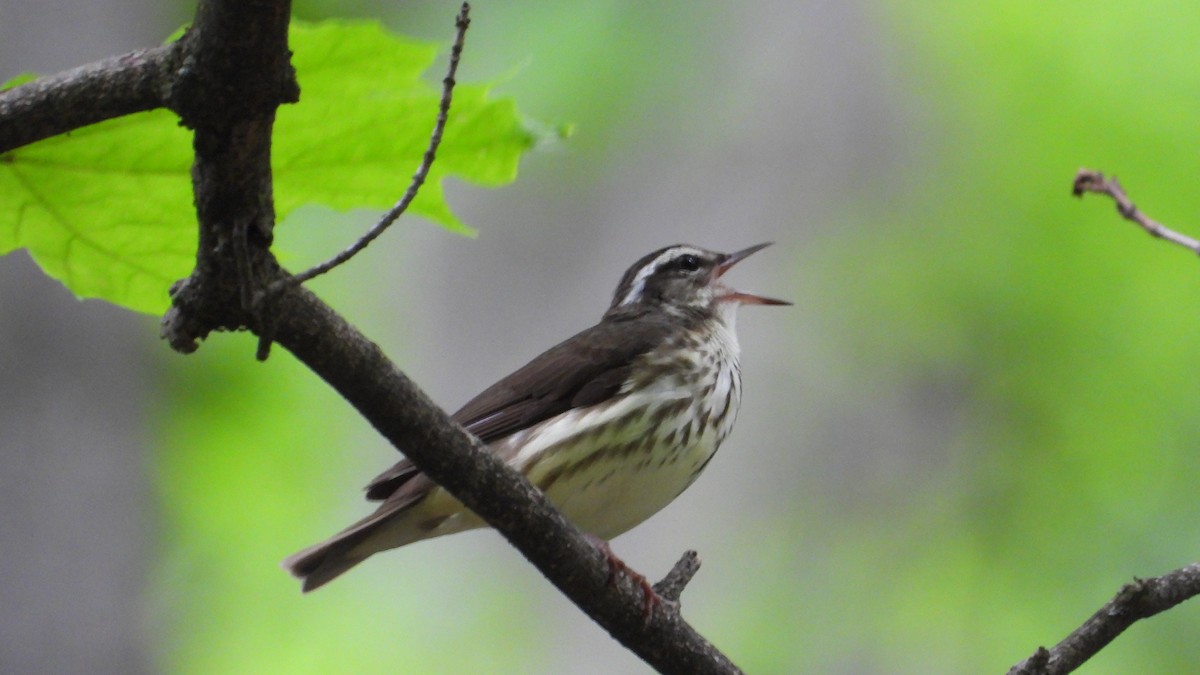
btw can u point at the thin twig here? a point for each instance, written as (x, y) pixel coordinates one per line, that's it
(1087, 180)
(1139, 600)
(672, 585)
(462, 22)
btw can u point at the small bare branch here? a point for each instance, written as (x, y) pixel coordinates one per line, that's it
(1087, 180)
(672, 585)
(1139, 600)
(462, 22)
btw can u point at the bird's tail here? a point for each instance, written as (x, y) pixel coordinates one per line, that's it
(390, 526)
(319, 564)
(396, 523)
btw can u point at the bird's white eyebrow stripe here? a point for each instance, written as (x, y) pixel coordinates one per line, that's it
(639, 280)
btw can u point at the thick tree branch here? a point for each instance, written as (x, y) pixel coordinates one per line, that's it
(1139, 600)
(134, 82)
(1087, 180)
(402, 413)
(236, 48)
(236, 70)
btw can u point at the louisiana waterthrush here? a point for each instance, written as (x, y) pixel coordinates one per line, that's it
(611, 424)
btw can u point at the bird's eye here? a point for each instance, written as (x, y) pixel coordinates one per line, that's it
(689, 263)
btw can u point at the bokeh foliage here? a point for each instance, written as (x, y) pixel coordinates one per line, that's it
(1055, 344)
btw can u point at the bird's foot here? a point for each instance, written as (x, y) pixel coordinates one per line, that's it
(651, 599)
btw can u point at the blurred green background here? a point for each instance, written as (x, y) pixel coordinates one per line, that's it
(975, 425)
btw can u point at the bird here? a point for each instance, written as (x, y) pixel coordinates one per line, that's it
(611, 424)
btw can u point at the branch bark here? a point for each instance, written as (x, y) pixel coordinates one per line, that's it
(122, 85)
(1141, 599)
(224, 79)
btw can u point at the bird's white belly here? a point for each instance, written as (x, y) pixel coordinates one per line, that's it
(611, 468)
(615, 493)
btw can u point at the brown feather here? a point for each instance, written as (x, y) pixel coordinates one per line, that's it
(585, 369)
(319, 564)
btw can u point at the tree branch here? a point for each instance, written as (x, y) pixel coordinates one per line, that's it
(1139, 600)
(48, 106)
(1087, 180)
(403, 414)
(236, 70)
(236, 48)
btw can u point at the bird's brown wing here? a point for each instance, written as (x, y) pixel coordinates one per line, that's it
(583, 370)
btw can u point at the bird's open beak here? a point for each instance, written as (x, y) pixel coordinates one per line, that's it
(737, 296)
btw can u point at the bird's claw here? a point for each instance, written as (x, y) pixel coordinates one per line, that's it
(650, 598)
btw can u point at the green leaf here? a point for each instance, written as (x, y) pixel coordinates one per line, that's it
(107, 209)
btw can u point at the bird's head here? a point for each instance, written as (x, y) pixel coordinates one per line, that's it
(684, 278)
